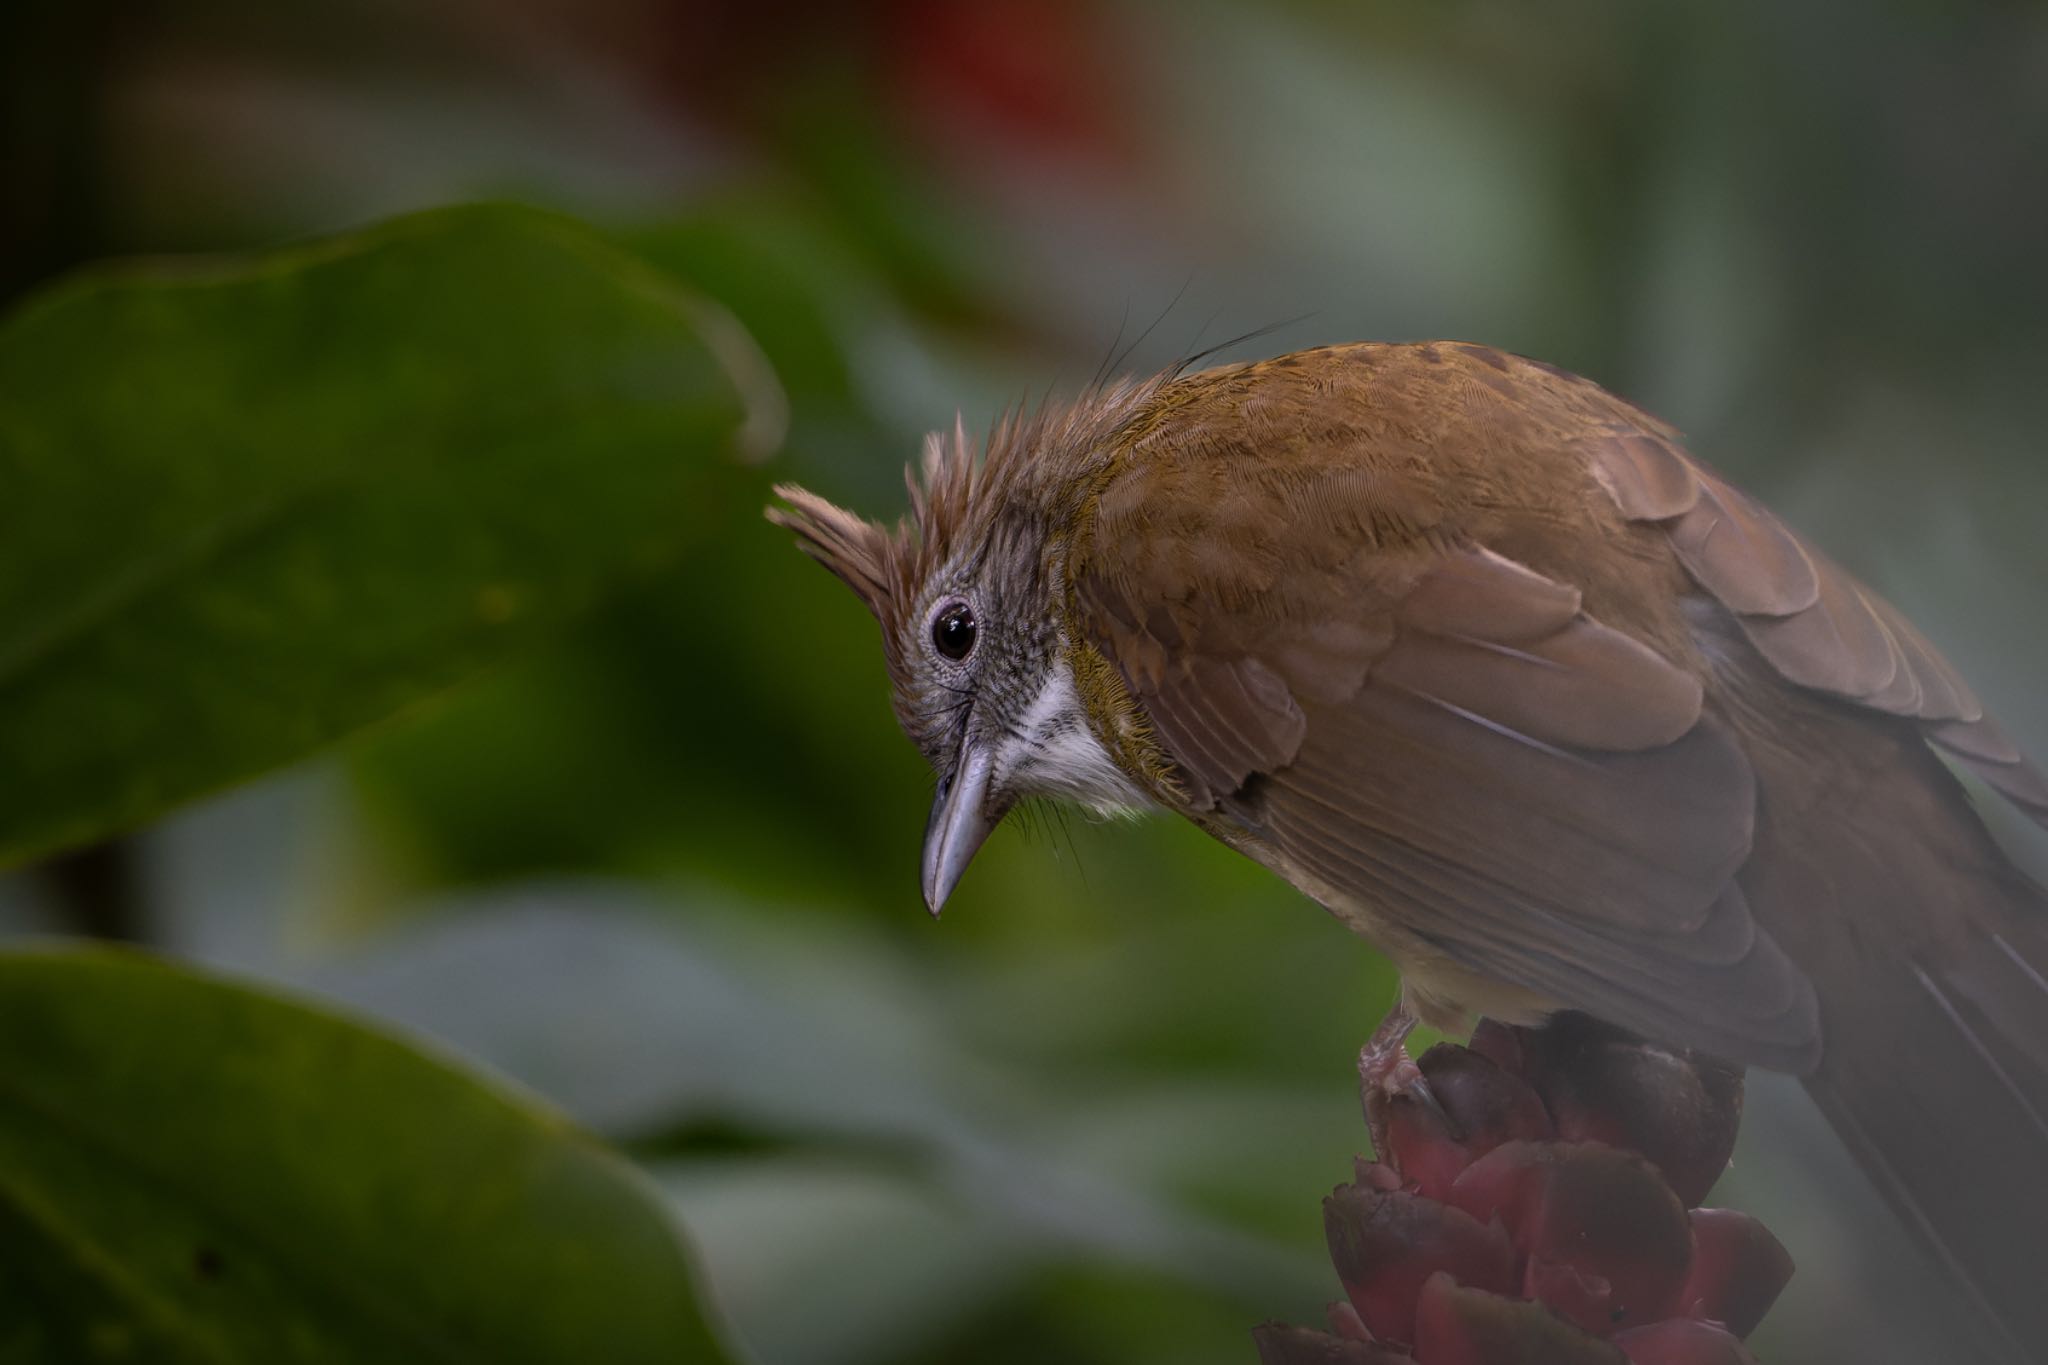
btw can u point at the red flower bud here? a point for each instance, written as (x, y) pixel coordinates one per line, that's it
(1603, 1213)
(1422, 1142)
(1485, 1102)
(1459, 1326)
(1386, 1245)
(1531, 1206)
(1683, 1341)
(1738, 1270)
(1678, 1109)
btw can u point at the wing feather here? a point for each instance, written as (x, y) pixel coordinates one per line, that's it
(1537, 795)
(1807, 617)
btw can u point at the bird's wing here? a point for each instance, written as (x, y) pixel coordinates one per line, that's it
(1813, 623)
(1436, 731)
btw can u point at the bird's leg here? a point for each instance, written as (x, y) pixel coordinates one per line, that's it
(1385, 1070)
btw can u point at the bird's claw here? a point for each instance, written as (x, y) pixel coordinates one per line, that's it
(1385, 1070)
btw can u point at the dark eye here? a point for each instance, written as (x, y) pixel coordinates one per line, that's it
(953, 631)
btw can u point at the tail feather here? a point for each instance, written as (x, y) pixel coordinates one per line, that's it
(1929, 952)
(1946, 1106)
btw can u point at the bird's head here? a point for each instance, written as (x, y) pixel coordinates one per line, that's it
(967, 592)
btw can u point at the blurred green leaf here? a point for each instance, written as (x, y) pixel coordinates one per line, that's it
(249, 510)
(827, 1116)
(197, 1172)
(801, 293)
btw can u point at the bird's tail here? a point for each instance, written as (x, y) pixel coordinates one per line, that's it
(1937, 1080)
(1929, 951)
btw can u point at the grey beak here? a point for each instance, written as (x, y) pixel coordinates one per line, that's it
(958, 824)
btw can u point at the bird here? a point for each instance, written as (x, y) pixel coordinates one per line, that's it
(1479, 657)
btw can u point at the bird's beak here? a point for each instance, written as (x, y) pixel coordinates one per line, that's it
(958, 825)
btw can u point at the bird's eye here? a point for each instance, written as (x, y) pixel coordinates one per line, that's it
(953, 631)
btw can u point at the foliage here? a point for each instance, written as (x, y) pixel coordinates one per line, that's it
(322, 488)
(176, 1190)
(327, 485)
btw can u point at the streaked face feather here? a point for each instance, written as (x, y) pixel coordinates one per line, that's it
(978, 533)
(1053, 752)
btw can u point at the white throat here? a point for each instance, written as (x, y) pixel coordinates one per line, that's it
(1054, 752)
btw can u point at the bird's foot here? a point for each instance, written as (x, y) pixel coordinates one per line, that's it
(1385, 1070)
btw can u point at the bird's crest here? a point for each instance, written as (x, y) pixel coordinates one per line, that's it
(956, 493)
(885, 564)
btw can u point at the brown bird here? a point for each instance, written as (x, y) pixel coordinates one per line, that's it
(1475, 655)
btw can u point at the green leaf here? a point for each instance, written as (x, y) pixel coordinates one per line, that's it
(245, 511)
(193, 1171)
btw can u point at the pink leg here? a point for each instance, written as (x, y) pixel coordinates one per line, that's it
(1386, 1070)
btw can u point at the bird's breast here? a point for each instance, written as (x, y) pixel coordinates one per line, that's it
(1443, 993)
